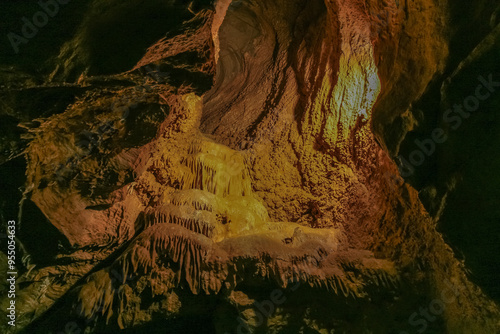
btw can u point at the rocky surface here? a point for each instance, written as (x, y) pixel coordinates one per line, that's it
(232, 167)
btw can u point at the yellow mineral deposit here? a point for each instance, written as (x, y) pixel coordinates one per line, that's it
(357, 85)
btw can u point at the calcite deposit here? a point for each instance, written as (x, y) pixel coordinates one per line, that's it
(240, 176)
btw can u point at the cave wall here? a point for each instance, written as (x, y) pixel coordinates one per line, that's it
(253, 135)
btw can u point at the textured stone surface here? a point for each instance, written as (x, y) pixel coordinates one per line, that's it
(237, 175)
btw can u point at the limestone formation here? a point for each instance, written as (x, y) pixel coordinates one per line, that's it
(245, 154)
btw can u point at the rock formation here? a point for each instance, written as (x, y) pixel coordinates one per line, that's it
(239, 175)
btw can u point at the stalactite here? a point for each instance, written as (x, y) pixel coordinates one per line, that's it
(216, 175)
(185, 235)
(198, 221)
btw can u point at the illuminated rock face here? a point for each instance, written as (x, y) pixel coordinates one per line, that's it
(271, 178)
